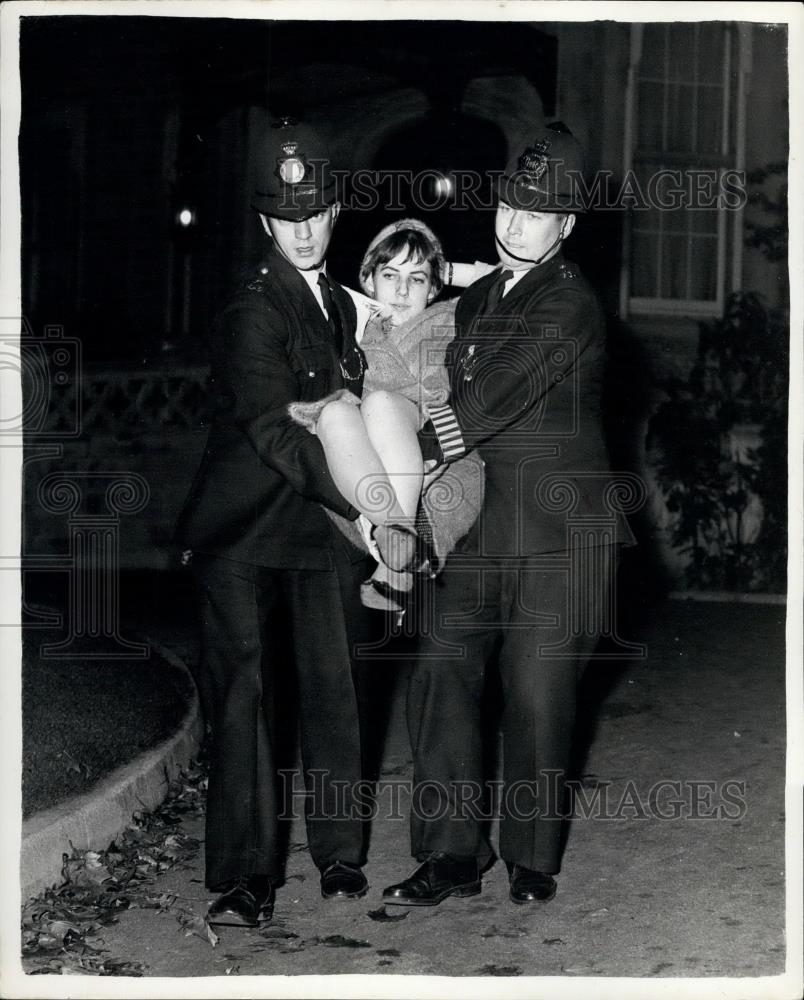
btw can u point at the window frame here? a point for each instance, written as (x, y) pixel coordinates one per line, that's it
(729, 233)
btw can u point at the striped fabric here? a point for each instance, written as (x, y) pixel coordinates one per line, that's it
(448, 432)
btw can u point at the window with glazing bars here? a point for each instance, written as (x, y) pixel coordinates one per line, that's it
(683, 105)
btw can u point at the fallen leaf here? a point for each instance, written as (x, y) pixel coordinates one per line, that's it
(383, 916)
(61, 929)
(339, 941)
(296, 944)
(48, 941)
(193, 924)
(499, 970)
(277, 932)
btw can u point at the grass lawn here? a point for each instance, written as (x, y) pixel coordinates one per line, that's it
(82, 719)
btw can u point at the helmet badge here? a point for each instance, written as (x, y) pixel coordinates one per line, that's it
(291, 167)
(534, 161)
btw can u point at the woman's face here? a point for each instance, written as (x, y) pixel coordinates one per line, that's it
(404, 285)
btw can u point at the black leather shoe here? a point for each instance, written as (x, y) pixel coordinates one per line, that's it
(530, 887)
(247, 903)
(343, 879)
(431, 883)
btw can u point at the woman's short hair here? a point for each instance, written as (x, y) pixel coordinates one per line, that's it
(413, 238)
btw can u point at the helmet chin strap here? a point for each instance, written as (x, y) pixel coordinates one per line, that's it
(529, 260)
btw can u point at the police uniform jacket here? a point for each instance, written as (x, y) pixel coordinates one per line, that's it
(525, 381)
(256, 497)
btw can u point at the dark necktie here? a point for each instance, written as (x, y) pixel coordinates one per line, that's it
(332, 312)
(496, 290)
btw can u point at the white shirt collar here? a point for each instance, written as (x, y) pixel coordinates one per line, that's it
(311, 277)
(515, 277)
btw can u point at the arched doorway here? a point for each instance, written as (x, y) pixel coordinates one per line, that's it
(438, 168)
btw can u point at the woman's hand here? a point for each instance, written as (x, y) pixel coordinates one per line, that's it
(461, 275)
(380, 310)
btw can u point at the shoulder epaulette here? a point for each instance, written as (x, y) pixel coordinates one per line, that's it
(258, 283)
(568, 271)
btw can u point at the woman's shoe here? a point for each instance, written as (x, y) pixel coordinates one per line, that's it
(406, 544)
(382, 596)
(418, 555)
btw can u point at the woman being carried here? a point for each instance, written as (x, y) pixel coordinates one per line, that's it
(371, 444)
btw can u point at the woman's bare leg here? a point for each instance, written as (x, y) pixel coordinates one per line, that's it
(392, 422)
(347, 435)
(354, 464)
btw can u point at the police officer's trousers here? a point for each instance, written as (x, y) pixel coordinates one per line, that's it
(246, 613)
(541, 625)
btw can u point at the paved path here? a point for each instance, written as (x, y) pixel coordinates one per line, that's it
(639, 895)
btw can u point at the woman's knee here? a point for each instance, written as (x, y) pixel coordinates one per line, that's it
(379, 401)
(382, 408)
(334, 416)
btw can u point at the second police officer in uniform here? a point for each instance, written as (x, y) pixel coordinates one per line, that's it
(265, 557)
(525, 381)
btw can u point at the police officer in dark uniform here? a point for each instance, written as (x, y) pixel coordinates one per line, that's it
(526, 584)
(264, 555)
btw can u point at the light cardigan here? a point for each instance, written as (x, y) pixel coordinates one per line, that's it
(410, 359)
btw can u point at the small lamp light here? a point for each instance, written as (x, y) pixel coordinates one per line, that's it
(185, 217)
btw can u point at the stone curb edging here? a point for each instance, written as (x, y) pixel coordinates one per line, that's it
(93, 820)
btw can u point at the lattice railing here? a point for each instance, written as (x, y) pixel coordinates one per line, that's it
(116, 401)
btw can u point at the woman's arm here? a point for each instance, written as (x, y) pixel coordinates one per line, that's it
(460, 275)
